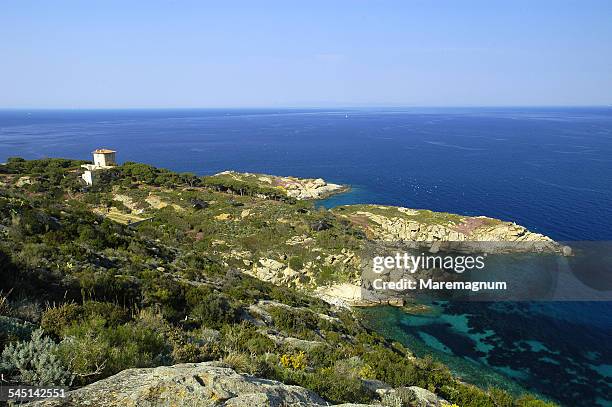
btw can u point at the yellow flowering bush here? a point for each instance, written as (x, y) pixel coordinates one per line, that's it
(366, 372)
(296, 361)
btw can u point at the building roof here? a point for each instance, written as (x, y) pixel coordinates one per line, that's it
(103, 151)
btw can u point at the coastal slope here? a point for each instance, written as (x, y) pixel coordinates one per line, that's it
(151, 268)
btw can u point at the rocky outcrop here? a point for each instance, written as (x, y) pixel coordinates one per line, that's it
(346, 295)
(279, 272)
(298, 188)
(274, 271)
(394, 224)
(424, 397)
(309, 188)
(23, 181)
(190, 384)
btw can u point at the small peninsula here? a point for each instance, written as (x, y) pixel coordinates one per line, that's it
(298, 188)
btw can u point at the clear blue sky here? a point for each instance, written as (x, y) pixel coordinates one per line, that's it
(304, 53)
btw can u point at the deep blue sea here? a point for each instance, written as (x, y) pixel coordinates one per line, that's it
(549, 169)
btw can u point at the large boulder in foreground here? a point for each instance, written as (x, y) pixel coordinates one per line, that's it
(189, 384)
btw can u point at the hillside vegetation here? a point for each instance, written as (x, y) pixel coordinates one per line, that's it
(87, 293)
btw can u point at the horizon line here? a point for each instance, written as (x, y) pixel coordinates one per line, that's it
(314, 107)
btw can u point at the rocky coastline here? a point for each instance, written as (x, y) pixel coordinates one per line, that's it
(298, 188)
(409, 228)
(393, 224)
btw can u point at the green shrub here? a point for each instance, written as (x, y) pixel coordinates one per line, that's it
(214, 310)
(402, 397)
(14, 329)
(93, 349)
(296, 263)
(33, 255)
(194, 346)
(407, 396)
(432, 374)
(530, 401)
(466, 395)
(57, 319)
(190, 353)
(36, 361)
(165, 294)
(245, 338)
(324, 356)
(301, 323)
(336, 387)
(500, 398)
(394, 368)
(113, 314)
(120, 206)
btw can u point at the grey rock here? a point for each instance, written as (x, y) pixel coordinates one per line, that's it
(189, 384)
(425, 398)
(566, 251)
(377, 386)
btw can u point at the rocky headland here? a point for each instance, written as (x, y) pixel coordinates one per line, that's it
(380, 225)
(391, 223)
(298, 188)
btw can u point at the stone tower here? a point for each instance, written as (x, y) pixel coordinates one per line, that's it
(103, 159)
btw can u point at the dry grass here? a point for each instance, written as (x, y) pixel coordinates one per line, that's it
(240, 362)
(4, 304)
(123, 218)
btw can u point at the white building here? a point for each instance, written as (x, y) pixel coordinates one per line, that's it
(88, 176)
(103, 159)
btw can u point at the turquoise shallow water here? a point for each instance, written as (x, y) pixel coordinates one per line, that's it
(549, 169)
(543, 347)
(397, 325)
